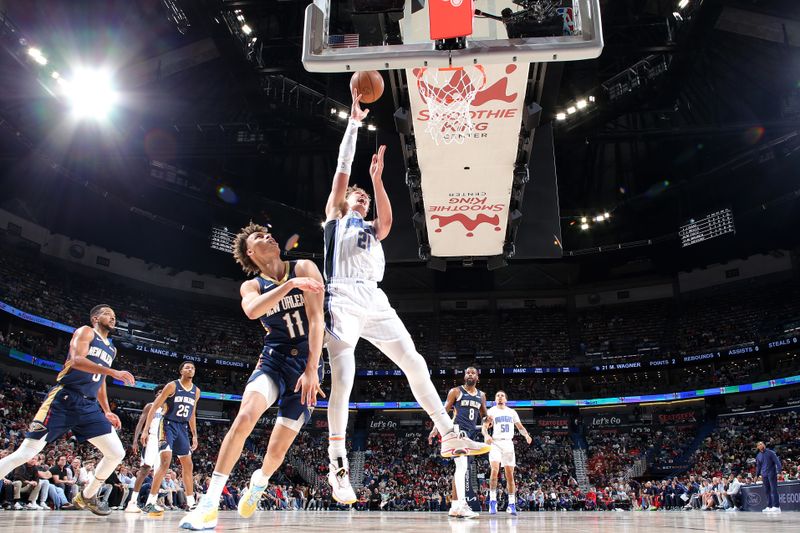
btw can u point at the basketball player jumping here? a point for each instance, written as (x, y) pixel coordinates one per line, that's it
(150, 458)
(470, 410)
(503, 419)
(179, 400)
(287, 298)
(356, 308)
(79, 403)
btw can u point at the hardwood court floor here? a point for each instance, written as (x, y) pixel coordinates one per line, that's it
(409, 522)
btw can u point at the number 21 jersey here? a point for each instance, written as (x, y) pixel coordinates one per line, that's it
(352, 250)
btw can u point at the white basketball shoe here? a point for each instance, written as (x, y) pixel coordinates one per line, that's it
(339, 480)
(457, 445)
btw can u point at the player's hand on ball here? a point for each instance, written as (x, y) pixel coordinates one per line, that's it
(356, 113)
(308, 387)
(114, 419)
(308, 285)
(125, 377)
(376, 167)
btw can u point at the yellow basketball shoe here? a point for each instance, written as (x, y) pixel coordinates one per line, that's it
(203, 517)
(252, 495)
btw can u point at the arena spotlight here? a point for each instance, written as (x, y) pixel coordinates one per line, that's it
(247, 29)
(683, 3)
(37, 56)
(343, 115)
(561, 116)
(91, 94)
(580, 104)
(584, 226)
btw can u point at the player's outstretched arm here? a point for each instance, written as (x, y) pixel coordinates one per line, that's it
(169, 390)
(256, 305)
(79, 349)
(485, 430)
(308, 384)
(347, 151)
(383, 208)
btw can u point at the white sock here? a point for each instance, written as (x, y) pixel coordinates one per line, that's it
(190, 499)
(337, 449)
(91, 489)
(151, 498)
(461, 477)
(134, 498)
(259, 479)
(512, 498)
(215, 487)
(493, 495)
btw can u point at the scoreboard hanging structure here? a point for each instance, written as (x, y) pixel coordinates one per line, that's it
(711, 226)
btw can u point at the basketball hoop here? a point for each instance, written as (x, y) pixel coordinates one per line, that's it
(448, 93)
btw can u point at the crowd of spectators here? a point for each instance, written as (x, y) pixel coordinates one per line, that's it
(533, 336)
(403, 471)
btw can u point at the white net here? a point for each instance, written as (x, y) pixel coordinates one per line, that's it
(448, 93)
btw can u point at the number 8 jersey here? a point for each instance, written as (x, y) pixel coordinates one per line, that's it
(286, 324)
(352, 251)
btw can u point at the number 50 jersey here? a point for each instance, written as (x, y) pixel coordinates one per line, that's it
(286, 324)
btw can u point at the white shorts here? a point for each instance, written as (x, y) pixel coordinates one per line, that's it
(150, 455)
(355, 310)
(503, 452)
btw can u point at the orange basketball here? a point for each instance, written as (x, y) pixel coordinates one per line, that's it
(369, 85)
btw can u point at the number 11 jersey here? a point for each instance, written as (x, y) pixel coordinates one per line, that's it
(286, 324)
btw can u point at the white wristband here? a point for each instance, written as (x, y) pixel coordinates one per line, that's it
(347, 150)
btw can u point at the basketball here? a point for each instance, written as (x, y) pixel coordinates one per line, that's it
(369, 85)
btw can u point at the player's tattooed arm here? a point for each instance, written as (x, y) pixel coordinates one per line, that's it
(523, 432)
(79, 349)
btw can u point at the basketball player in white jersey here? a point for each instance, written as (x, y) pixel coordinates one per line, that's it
(356, 308)
(503, 420)
(150, 455)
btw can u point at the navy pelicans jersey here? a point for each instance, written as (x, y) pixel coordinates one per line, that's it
(286, 324)
(468, 410)
(352, 251)
(180, 406)
(101, 352)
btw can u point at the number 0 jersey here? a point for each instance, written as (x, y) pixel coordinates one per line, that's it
(352, 250)
(286, 324)
(101, 352)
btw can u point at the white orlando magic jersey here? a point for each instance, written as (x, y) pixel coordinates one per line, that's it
(504, 420)
(155, 424)
(352, 251)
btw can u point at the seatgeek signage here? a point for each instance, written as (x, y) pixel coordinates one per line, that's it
(466, 188)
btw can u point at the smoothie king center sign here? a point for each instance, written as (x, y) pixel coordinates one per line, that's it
(466, 187)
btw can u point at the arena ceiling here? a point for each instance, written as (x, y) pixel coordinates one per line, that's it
(717, 128)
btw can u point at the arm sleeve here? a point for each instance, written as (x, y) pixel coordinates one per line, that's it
(347, 150)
